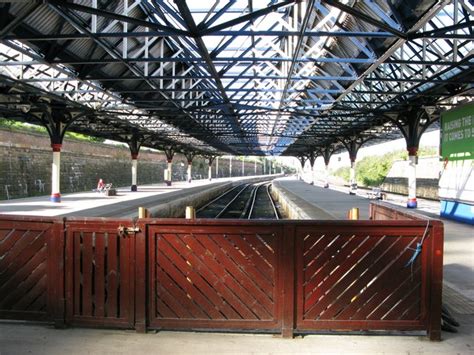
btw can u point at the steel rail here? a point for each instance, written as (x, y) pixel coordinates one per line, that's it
(234, 199)
(275, 210)
(217, 198)
(272, 203)
(253, 198)
(248, 208)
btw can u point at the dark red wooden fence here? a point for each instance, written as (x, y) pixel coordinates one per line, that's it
(31, 268)
(285, 276)
(99, 274)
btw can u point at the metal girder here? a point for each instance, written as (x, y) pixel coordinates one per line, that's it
(118, 17)
(366, 18)
(242, 77)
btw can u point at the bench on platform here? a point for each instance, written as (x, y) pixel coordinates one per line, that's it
(376, 194)
(109, 190)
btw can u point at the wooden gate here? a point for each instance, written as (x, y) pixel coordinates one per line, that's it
(30, 276)
(210, 276)
(274, 276)
(362, 279)
(99, 273)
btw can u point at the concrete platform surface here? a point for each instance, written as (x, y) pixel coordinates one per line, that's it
(39, 339)
(94, 204)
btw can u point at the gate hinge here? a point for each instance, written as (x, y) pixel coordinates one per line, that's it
(124, 231)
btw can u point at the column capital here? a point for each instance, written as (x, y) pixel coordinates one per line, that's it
(56, 147)
(412, 151)
(134, 156)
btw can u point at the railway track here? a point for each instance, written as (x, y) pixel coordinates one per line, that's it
(263, 206)
(246, 201)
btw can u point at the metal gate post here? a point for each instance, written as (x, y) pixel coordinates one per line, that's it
(140, 261)
(56, 260)
(436, 282)
(287, 277)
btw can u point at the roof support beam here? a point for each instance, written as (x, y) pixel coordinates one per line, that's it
(245, 18)
(366, 18)
(122, 18)
(188, 18)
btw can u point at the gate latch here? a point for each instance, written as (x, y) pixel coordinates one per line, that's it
(125, 231)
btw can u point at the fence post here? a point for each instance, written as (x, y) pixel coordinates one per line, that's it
(287, 270)
(140, 261)
(56, 260)
(434, 326)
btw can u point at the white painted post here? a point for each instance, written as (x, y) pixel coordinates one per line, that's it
(411, 171)
(255, 166)
(230, 166)
(217, 167)
(243, 167)
(313, 172)
(352, 177)
(326, 176)
(134, 171)
(190, 166)
(55, 173)
(169, 170)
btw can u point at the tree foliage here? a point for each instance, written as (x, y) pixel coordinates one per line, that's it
(31, 128)
(372, 170)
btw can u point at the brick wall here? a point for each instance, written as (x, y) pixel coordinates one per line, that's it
(25, 165)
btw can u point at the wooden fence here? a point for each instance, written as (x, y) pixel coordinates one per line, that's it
(282, 277)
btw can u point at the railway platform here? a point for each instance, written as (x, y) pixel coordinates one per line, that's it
(124, 204)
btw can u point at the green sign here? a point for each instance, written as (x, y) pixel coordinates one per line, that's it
(457, 133)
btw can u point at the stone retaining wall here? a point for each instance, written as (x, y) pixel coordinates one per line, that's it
(25, 165)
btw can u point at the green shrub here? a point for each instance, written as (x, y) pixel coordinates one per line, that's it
(372, 170)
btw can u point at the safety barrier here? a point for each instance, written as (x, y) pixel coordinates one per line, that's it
(282, 277)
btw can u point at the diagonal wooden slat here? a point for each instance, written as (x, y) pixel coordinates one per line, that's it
(358, 277)
(392, 296)
(263, 277)
(22, 289)
(16, 245)
(388, 280)
(22, 273)
(261, 303)
(329, 261)
(19, 258)
(38, 289)
(410, 297)
(263, 264)
(5, 234)
(261, 247)
(172, 281)
(201, 279)
(221, 280)
(327, 247)
(363, 284)
(335, 283)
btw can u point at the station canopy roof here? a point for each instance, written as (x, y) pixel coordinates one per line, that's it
(245, 77)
